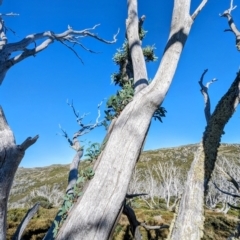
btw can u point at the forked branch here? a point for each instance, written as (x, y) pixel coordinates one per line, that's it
(41, 41)
(233, 27)
(204, 91)
(134, 223)
(84, 128)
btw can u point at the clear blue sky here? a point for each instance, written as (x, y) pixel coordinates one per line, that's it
(34, 92)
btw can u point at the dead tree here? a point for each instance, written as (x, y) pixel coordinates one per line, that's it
(229, 178)
(11, 154)
(190, 218)
(94, 214)
(41, 41)
(232, 25)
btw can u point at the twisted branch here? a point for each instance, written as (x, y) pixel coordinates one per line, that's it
(68, 38)
(204, 91)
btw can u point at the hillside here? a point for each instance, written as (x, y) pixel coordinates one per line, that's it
(47, 184)
(55, 176)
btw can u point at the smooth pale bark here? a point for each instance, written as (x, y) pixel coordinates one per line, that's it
(95, 212)
(21, 227)
(138, 61)
(10, 157)
(190, 220)
(190, 217)
(72, 179)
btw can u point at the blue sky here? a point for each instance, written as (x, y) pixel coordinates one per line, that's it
(34, 92)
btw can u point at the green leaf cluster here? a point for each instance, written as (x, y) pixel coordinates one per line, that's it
(93, 151)
(124, 79)
(70, 198)
(116, 103)
(159, 113)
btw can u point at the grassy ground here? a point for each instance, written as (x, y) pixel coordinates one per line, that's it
(217, 225)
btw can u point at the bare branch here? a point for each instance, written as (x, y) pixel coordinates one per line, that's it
(85, 128)
(28, 142)
(69, 36)
(72, 50)
(232, 206)
(228, 177)
(11, 14)
(135, 195)
(228, 11)
(233, 27)
(21, 227)
(135, 224)
(228, 193)
(66, 136)
(204, 91)
(89, 127)
(199, 8)
(147, 227)
(138, 61)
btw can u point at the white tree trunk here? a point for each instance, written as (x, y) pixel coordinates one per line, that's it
(94, 214)
(189, 222)
(10, 157)
(190, 217)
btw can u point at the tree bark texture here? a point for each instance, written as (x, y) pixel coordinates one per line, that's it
(95, 212)
(10, 157)
(190, 220)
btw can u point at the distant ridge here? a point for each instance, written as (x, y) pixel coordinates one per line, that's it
(55, 176)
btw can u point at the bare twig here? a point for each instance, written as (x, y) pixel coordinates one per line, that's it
(147, 227)
(85, 128)
(70, 36)
(204, 91)
(198, 10)
(11, 14)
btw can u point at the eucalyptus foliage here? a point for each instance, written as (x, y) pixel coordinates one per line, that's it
(124, 79)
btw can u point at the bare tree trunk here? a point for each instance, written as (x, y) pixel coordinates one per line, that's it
(95, 212)
(189, 222)
(10, 157)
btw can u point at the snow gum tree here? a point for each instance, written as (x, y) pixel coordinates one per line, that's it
(95, 213)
